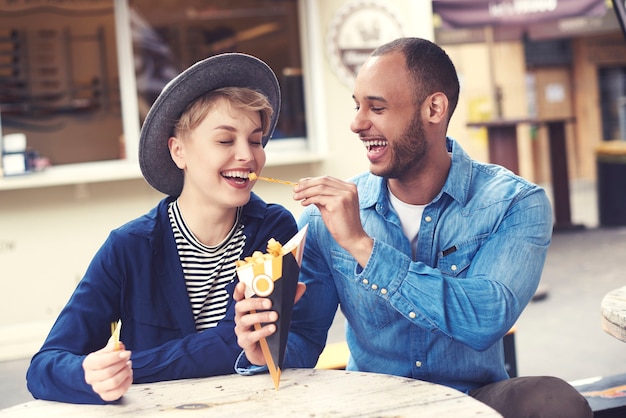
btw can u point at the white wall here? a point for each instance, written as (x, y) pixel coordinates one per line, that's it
(48, 235)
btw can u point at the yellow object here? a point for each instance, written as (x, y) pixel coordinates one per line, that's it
(115, 333)
(334, 357)
(259, 272)
(271, 366)
(612, 151)
(253, 176)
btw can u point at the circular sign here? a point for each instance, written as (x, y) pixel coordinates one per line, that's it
(263, 285)
(356, 29)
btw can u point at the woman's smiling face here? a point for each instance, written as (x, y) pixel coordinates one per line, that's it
(220, 152)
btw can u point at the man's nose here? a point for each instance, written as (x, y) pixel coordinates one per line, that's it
(359, 122)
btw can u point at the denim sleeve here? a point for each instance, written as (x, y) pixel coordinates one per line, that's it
(477, 293)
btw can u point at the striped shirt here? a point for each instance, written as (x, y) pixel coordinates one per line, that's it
(207, 269)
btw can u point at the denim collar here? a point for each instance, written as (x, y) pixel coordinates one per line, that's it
(373, 189)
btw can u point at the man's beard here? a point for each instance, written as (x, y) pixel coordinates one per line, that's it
(407, 151)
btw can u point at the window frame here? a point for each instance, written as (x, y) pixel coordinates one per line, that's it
(287, 151)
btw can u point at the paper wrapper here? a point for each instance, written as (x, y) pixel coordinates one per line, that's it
(276, 278)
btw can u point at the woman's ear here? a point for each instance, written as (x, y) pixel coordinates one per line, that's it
(177, 151)
(437, 108)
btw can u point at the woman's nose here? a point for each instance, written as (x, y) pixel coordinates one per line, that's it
(243, 151)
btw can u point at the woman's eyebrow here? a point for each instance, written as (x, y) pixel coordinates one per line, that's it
(230, 128)
(225, 128)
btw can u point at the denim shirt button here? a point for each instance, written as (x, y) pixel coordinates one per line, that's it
(412, 315)
(383, 291)
(418, 363)
(365, 281)
(453, 267)
(374, 287)
(428, 219)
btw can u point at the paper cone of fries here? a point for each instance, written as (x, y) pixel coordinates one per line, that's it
(274, 275)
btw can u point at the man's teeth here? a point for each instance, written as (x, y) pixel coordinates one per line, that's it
(236, 174)
(374, 143)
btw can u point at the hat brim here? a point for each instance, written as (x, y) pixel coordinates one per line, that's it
(224, 70)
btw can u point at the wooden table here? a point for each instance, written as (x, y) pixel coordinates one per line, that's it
(614, 313)
(302, 392)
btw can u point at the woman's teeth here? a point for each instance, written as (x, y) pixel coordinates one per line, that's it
(236, 174)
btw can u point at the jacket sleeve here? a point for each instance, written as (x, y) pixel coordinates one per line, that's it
(162, 348)
(83, 326)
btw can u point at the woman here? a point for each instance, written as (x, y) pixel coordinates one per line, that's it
(169, 275)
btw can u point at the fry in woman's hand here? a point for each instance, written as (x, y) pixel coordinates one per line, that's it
(116, 327)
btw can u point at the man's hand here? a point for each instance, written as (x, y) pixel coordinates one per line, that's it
(109, 372)
(252, 311)
(338, 203)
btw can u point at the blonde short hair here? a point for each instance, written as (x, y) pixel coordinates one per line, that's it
(239, 97)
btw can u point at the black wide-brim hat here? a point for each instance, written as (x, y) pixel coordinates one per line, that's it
(224, 70)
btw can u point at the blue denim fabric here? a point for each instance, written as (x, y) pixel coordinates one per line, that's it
(440, 318)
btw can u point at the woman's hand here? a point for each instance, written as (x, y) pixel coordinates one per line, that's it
(109, 372)
(250, 311)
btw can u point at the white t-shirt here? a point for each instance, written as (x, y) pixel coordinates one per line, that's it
(410, 219)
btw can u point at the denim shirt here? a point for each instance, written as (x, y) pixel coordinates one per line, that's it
(441, 317)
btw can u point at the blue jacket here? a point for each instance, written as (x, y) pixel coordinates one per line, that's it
(137, 276)
(441, 316)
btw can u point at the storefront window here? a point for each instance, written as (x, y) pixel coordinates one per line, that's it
(170, 35)
(58, 79)
(68, 73)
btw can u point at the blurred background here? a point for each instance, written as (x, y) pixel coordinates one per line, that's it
(543, 92)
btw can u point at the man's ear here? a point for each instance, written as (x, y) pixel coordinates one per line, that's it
(177, 151)
(437, 107)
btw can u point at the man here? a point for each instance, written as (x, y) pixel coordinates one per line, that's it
(432, 256)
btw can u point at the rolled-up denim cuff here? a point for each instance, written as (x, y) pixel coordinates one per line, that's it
(245, 368)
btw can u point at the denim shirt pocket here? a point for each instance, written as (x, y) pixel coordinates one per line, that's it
(456, 263)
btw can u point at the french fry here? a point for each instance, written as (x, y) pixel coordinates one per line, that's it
(253, 176)
(116, 327)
